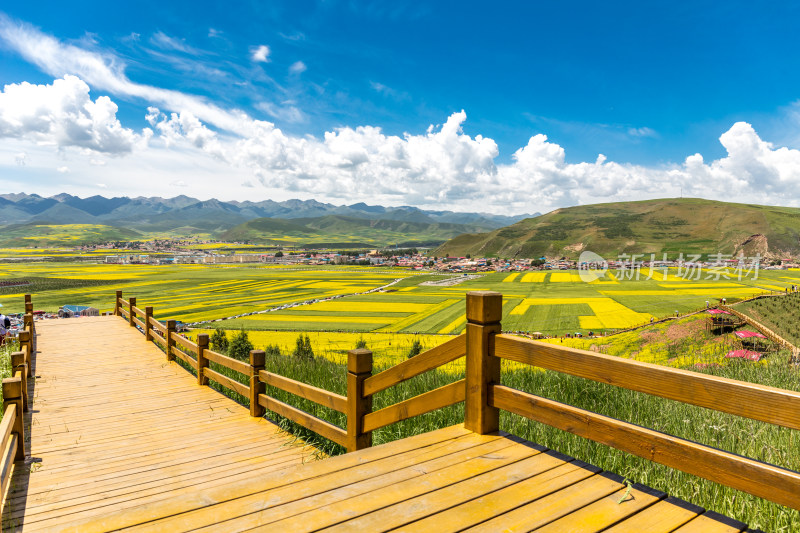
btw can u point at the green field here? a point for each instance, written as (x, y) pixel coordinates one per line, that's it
(553, 303)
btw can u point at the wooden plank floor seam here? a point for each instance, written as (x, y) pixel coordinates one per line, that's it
(124, 440)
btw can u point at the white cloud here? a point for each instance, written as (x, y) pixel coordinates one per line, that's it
(107, 72)
(644, 131)
(260, 54)
(166, 42)
(285, 112)
(298, 67)
(63, 115)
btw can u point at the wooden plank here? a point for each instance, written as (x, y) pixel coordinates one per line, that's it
(607, 510)
(189, 503)
(317, 425)
(409, 510)
(663, 517)
(228, 362)
(225, 381)
(186, 343)
(158, 325)
(433, 358)
(334, 507)
(544, 510)
(750, 400)
(183, 355)
(304, 497)
(337, 402)
(712, 522)
(504, 499)
(759, 479)
(418, 405)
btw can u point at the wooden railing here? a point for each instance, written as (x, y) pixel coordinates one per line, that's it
(15, 400)
(361, 383)
(486, 397)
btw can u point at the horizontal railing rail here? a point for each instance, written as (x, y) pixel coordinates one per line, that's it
(750, 400)
(486, 396)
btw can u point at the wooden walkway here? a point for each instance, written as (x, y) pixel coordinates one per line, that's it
(446, 480)
(122, 439)
(113, 426)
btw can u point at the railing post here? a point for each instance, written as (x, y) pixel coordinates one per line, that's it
(484, 312)
(12, 393)
(25, 340)
(18, 363)
(148, 314)
(170, 340)
(131, 314)
(202, 362)
(359, 368)
(117, 298)
(257, 363)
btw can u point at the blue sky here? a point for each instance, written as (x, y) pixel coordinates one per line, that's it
(507, 106)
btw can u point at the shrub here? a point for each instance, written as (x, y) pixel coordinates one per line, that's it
(240, 346)
(219, 341)
(272, 350)
(416, 348)
(303, 347)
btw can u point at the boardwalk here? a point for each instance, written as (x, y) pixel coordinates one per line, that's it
(114, 426)
(446, 480)
(122, 439)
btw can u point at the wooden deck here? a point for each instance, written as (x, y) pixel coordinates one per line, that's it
(123, 439)
(446, 480)
(113, 425)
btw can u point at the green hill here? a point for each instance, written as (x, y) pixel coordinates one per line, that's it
(342, 230)
(686, 225)
(44, 234)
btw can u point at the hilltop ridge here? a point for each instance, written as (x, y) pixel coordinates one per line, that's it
(670, 225)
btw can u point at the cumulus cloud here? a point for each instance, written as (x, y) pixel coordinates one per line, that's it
(63, 114)
(260, 54)
(298, 67)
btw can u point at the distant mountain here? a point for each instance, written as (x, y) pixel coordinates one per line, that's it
(188, 215)
(674, 226)
(341, 229)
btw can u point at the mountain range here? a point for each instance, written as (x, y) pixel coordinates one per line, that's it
(182, 215)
